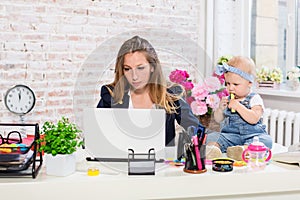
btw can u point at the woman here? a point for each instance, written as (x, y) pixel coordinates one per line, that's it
(139, 83)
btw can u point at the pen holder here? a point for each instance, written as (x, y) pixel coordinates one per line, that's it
(192, 164)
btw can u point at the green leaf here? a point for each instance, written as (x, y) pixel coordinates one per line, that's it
(60, 138)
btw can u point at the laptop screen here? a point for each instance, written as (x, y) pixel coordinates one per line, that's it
(110, 132)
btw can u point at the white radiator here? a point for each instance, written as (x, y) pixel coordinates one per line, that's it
(283, 126)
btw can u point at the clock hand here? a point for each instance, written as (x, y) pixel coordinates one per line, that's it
(19, 95)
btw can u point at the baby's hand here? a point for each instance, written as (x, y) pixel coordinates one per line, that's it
(233, 104)
(223, 103)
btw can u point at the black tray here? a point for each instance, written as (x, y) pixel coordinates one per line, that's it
(22, 161)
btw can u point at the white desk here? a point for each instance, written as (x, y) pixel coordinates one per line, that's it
(277, 181)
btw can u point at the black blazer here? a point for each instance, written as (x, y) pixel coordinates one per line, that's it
(184, 115)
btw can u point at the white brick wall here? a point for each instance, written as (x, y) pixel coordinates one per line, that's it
(45, 43)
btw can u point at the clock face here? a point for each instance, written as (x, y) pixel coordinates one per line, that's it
(20, 99)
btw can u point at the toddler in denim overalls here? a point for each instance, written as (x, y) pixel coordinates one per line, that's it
(240, 118)
(236, 131)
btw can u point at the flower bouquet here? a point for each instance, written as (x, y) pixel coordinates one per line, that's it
(269, 78)
(204, 97)
(207, 95)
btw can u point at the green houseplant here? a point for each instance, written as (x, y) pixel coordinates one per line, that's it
(60, 138)
(59, 141)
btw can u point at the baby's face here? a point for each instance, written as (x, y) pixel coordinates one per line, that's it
(237, 85)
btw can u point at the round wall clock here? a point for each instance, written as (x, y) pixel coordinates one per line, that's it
(19, 99)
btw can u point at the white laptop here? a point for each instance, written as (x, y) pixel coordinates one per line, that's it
(110, 132)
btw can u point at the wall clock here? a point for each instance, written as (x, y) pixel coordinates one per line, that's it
(19, 99)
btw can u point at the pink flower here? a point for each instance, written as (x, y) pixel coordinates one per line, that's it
(223, 93)
(212, 84)
(220, 77)
(188, 85)
(199, 107)
(199, 92)
(178, 76)
(213, 101)
(181, 77)
(207, 96)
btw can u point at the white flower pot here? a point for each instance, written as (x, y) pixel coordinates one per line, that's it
(60, 165)
(293, 84)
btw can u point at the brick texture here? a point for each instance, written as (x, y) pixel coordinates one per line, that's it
(46, 44)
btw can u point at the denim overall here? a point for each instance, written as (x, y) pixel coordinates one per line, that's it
(236, 131)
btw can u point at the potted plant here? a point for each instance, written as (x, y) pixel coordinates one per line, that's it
(269, 78)
(293, 78)
(59, 142)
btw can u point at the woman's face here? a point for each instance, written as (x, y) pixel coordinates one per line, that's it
(137, 70)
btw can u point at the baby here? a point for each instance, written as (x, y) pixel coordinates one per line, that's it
(240, 115)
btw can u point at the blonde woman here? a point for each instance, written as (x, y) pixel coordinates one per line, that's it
(139, 83)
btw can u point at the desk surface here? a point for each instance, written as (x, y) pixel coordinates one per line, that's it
(277, 180)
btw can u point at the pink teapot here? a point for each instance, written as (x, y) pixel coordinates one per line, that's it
(257, 155)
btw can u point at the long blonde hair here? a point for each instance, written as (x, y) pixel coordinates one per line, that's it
(157, 83)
